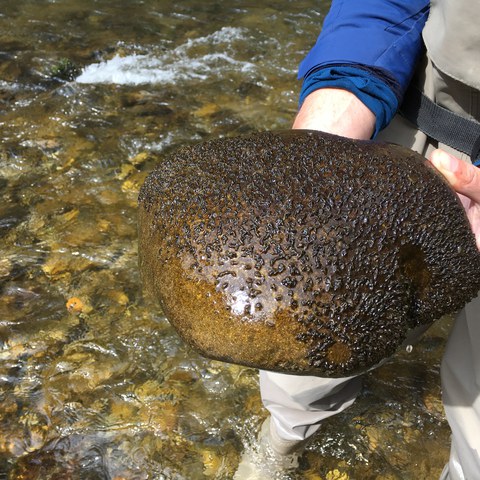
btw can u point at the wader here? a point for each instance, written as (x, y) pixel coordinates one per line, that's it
(299, 404)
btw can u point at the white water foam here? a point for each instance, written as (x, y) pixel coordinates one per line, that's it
(186, 62)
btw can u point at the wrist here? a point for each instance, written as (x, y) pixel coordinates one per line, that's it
(336, 111)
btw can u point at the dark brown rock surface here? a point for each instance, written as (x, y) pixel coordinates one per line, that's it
(303, 252)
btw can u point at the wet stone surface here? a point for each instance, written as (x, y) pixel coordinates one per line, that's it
(271, 251)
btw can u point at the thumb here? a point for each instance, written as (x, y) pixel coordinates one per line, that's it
(462, 176)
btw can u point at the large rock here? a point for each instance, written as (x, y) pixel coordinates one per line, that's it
(303, 252)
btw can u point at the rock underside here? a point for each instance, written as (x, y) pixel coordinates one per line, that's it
(303, 252)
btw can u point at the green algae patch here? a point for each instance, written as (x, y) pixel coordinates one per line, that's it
(303, 252)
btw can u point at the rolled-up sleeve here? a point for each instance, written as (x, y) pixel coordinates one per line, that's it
(384, 34)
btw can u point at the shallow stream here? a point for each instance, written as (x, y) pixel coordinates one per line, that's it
(94, 383)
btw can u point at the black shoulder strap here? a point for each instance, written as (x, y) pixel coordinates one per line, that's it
(441, 124)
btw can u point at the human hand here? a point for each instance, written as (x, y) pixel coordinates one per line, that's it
(465, 180)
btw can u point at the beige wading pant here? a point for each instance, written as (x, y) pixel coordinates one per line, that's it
(298, 404)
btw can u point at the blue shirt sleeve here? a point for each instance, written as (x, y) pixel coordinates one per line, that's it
(373, 92)
(386, 34)
(369, 47)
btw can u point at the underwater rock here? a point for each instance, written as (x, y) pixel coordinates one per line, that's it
(303, 252)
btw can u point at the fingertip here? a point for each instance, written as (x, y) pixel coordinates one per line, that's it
(444, 161)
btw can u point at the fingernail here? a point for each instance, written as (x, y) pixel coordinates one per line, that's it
(447, 162)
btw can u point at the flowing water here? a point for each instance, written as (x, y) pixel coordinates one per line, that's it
(94, 383)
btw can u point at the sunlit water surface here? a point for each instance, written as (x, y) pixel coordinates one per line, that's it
(94, 383)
